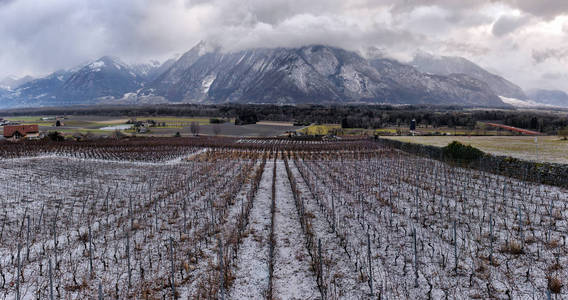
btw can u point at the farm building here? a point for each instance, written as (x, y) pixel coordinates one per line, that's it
(21, 131)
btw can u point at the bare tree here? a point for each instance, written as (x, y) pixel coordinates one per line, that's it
(194, 128)
(563, 133)
(216, 129)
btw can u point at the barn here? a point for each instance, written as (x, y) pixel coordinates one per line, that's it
(21, 131)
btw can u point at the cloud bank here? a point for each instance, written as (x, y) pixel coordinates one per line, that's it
(522, 40)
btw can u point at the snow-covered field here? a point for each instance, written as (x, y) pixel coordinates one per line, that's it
(238, 224)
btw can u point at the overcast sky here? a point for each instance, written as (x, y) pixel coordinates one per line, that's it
(525, 41)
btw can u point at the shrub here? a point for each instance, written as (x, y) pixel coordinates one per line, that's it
(563, 133)
(216, 129)
(554, 285)
(246, 118)
(55, 136)
(460, 152)
(117, 134)
(194, 127)
(513, 247)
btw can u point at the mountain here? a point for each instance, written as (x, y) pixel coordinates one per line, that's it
(38, 92)
(205, 74)
(150, 71)
(549, 97)
(153, 70)
(447, 65)
(312, 74)
(10, 83)
(145, 70)
(174, 73)
(105, 79)
(409, 83)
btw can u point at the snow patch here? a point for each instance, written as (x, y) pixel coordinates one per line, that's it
(521, 103)
(129, 96)
(207, 82)
(96, 66)
(241, 59)
(116, 127)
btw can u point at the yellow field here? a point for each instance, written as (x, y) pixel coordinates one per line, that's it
(550, 148)
(322, 129)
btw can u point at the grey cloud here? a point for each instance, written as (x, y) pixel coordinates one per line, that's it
(38, 37)
(272, 12)
(547, 9)
(540, 56)
(409, 5)
(307, 29)
(554, 76)
(508, 24)
(542, 8)
(463, 48)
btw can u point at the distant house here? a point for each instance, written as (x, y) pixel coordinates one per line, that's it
(21, 131)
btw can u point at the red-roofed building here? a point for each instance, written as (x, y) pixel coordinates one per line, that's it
(21, 131)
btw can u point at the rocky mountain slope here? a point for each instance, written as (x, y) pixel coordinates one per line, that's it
(549, 97)
(205, 74)
(447, 65)
(105, 78)
(10, 83)
(312, 74)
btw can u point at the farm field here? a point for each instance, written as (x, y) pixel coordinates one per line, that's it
(264, 129)
(550, 148)
(321, 129)
(99, 125)
(210, 218)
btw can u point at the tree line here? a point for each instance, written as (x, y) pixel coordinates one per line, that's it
(350, 116)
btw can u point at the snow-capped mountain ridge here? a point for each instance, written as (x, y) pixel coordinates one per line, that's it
(549, 97)
(12, 82)
(106, 77)
(310, 74)
(447, 65)
(205, 74)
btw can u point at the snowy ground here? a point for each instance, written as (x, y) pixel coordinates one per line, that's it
(385, 220)
(292, 276)
(339, 269)
(252, 265)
